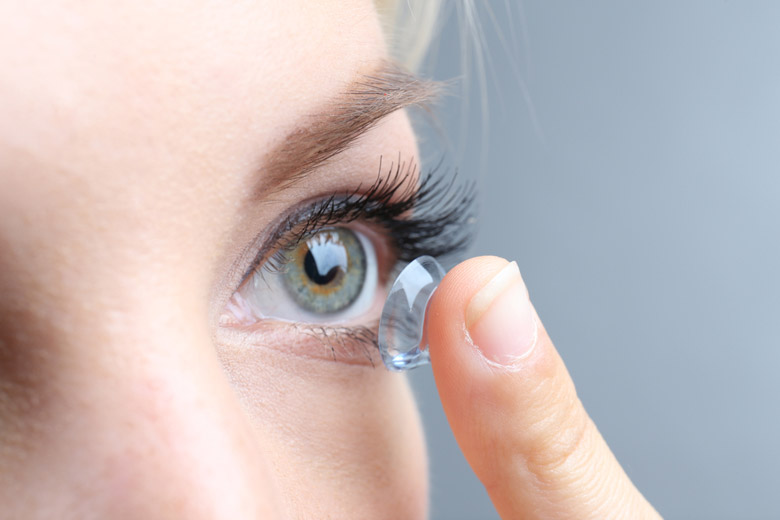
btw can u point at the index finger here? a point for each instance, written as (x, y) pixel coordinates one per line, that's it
(512, 405)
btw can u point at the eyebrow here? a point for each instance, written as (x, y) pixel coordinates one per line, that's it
(319, 137)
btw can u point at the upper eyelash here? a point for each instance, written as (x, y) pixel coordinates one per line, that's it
(432, 216)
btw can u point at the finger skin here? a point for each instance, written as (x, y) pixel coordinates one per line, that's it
(521, 426)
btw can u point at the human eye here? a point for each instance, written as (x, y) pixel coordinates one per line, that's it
(324, 270)
(330, 275)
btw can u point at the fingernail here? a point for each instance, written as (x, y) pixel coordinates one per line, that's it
(499, 318)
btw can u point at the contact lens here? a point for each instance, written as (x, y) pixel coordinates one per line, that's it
(403, 316)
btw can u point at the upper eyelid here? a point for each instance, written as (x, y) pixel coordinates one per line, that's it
(398, 172)
(440, 208)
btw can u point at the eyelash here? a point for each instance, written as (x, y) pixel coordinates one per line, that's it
(432, 216)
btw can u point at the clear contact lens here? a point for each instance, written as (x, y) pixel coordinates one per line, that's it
(403, 316)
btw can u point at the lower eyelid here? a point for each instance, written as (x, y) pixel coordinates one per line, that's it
(350, 345)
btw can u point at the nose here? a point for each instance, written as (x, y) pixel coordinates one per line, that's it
(132, 419)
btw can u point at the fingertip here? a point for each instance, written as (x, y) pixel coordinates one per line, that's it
(447, 310)
(453, 358)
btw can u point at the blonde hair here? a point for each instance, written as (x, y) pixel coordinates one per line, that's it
(410, 26)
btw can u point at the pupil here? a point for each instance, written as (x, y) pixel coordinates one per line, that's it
(325, 274)
(324, 261)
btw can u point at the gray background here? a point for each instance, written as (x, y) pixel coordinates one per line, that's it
(642, 208)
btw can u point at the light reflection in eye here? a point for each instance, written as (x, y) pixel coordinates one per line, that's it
(325, 273)
(331, 276)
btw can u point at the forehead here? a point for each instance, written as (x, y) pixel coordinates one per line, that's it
(164, 76)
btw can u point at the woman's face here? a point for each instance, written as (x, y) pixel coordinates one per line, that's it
(149, 153)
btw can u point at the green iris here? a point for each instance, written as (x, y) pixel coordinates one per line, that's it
(325, 273)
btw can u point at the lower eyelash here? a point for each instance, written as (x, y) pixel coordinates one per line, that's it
(342, 341)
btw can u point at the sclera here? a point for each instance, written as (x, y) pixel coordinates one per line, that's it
(401, 325)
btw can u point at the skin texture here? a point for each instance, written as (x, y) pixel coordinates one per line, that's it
(132, 140)
(136, 156)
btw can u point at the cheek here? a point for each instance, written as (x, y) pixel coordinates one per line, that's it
(344, 441)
